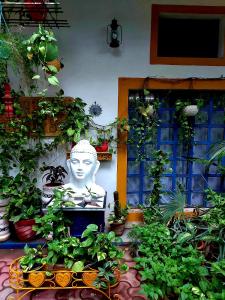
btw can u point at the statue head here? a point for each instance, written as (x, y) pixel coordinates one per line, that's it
(83, 162)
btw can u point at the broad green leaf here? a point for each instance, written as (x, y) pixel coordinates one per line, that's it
(52, 69)
(92, 227)
(183, 237)
(111, 235)
(42, 50)
(78, 266)
(53, 80)
(36, 77)
(87, 242)
(101, 256)
(70, 132)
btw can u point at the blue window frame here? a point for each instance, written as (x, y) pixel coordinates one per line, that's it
(208, 127)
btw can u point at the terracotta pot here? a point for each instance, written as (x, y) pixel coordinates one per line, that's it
(24, 230)
(56, 63)
(103, 148)
(117, 228)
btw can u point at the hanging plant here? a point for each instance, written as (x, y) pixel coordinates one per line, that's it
(184, 109)
(42, 50)
(143, 122)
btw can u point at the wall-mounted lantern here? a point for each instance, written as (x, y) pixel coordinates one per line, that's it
(114, 34)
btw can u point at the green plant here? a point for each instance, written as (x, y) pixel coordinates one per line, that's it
(175, 205)
(55, 175)
(54, 221)
(120, 214)
(13, 55)
(185, 124)
(32, 259)
(156, 170)
(76, 123)
(93, 250)
(25, 199)
(41, 48)
(169, 268)
(143, 124)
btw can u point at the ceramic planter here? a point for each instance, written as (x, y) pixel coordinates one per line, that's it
(103, 148)
(4, 226)
(4, 202)
(24, 230)
(47, 194)
(190, 110)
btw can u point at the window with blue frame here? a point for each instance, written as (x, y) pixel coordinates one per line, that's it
(186, 164)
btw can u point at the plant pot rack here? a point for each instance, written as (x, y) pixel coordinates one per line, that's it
(26, 282)
(18, 13)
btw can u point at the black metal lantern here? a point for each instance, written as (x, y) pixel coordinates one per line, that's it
(114, 34)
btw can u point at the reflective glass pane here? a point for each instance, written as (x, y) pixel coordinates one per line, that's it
(167, 134)
(198, 168)
(214, 183)
(147, 183)
(196, 199)
(218, 117)
(132, 151)
(201, 117)
(165, 116)
(133, 184)
(200, 151)
(168, 149)
(198, 183)
(217, 134)
(133, 200)
(181, 167)
(166, 183)
(133, 167)
(201, 134)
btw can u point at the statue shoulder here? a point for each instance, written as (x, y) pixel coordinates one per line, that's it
(95, 188)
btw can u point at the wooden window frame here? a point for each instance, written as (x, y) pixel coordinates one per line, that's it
(158, 9)
(126, 84)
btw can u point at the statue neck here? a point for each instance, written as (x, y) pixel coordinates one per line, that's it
(82, 184)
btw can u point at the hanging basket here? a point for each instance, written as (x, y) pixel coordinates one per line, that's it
(190, 110)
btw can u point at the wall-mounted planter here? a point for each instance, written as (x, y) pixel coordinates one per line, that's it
(190, 110)
(104, 147)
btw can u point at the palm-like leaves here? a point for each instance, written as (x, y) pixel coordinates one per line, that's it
(217, 151)
(175, 205)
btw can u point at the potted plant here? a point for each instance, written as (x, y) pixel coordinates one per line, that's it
(42, 50)
(95, 258)
(54, 177)
(117, 220)
(184, 109)
(23, 207)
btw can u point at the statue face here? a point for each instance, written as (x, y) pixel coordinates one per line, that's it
(83, 165)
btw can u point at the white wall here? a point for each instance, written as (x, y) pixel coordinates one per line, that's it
(92, 68)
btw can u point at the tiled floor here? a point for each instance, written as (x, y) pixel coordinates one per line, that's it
(128, 288)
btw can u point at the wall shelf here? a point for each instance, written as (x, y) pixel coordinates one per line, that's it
(102, 156)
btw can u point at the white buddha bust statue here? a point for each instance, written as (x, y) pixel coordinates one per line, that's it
(83, 166)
